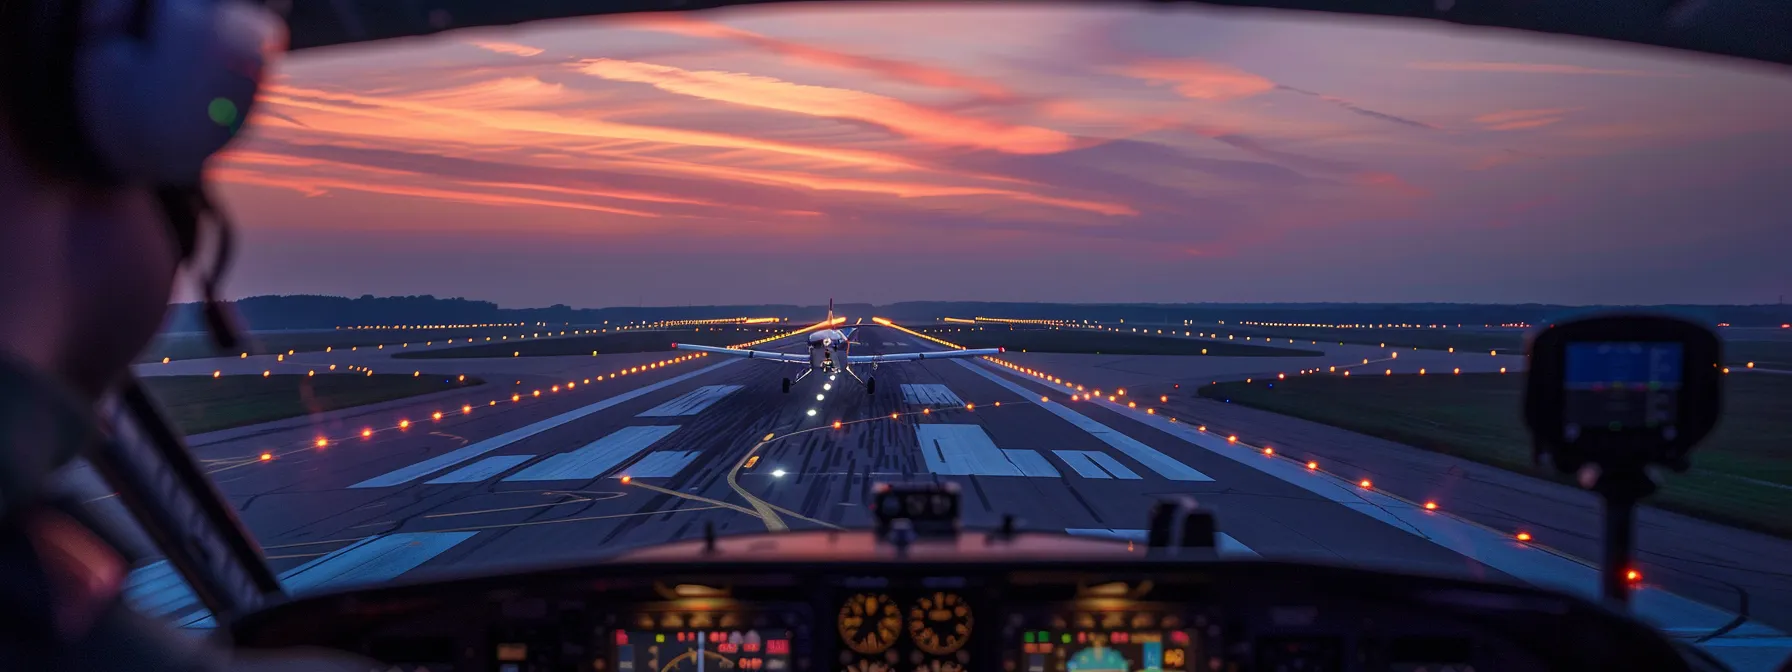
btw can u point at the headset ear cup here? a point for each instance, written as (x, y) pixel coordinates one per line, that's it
(154, 109)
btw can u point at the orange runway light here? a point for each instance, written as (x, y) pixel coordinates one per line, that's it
(1163, 399)
(1268, 450)
(1523, 536)
(366, 433)
(626, 479)
(836, 424)
(537, 393)
(265, 374)
(466, 408)
(1312, 466)
(1502, 369)
(1633, 576)
(1365, 484)
(322, 442)
(1131, 404)
(215, 374)
(267, 456)
(1430, 506)
(1202, 428)
(893, 416)
(436, 415)
(926, 411)
(404, 424)
(1150, 411)
(1232, 439)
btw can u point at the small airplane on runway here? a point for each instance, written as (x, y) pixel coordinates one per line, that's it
(828, 353)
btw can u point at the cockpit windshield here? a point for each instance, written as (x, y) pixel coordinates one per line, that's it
(547, 293)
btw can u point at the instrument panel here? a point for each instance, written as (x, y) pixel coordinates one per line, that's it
(924, 631)
(895, 618)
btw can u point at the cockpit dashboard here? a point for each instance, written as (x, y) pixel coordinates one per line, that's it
(1096, 606)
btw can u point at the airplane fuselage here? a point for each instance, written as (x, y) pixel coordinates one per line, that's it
(828, 350)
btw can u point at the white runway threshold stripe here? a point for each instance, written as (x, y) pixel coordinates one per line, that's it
(1093, 464)
(1164, 465)
(1747, 648)
(929, 394)
(432, 465)
(962, 450)
(481, 470)
(595, 458)
(376, 559)
(690, 403)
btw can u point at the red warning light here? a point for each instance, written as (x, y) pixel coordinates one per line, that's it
(1633, 576)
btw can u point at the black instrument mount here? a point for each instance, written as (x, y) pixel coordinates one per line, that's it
(1609, 397)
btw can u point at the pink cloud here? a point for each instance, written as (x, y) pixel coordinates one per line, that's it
(1200, 80)
(1514, 120)
(1528, 68)
(918, 122)
(897, 70)
(509, 48)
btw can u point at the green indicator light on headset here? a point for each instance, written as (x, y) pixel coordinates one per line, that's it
(222, 111)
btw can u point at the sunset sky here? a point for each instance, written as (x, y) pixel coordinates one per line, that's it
(1028, 152)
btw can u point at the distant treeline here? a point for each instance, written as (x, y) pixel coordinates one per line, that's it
(328, 312)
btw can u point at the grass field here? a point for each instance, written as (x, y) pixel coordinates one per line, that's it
(199, 404)
(1086, 341)
(1764, 353)
(194, 345)
(1735, 471)
(626, 341)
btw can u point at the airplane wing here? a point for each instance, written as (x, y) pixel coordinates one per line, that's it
(796, 357)
(912, 356)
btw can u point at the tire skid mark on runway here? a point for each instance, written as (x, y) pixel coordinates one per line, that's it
(696, 498)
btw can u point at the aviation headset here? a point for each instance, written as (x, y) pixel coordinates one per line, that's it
(116, 92)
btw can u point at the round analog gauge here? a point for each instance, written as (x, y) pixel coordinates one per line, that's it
(940, 623)
(870, 622)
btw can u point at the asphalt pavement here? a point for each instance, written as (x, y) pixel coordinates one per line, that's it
(615, 462)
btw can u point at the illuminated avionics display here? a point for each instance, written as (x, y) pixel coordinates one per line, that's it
(1109, 651)
(701, 650)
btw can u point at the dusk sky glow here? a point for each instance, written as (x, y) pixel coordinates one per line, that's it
(1013, 153)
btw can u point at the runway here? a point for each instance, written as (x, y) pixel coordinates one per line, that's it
(712, 441)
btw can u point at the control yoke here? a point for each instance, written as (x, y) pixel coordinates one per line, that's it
(1609, 396)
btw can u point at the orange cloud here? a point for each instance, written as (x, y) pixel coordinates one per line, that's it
(319, 186)
(1200, 80)
(428, 118)
(904, 71)
(900, 189)
(912, 120)
(510, 48)
(1528, 68)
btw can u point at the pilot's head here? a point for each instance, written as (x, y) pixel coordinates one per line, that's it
(107, 113)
